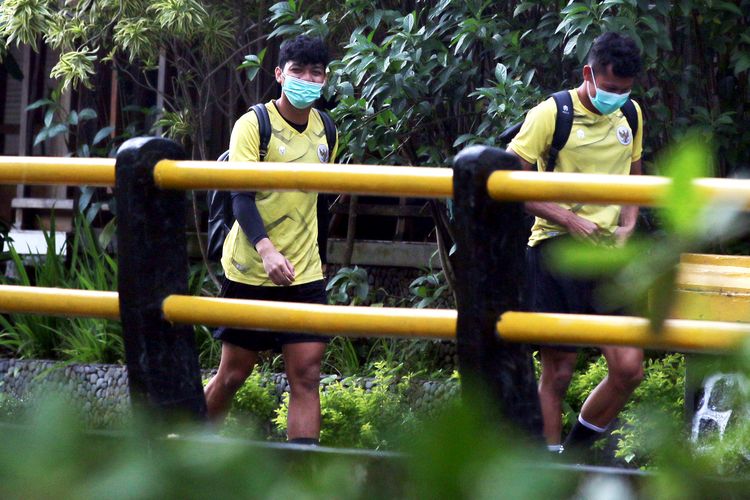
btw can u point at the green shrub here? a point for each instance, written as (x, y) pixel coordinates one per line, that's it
(11, 408)
(354, 417)
(253, 407)
(655, 405)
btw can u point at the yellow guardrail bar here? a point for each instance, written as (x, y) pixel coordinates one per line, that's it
(320, 177)
(312, 318)
(579, 329)
(59, 302)
(506, 185)
(575, 329)
(511, 185)
(65, 171)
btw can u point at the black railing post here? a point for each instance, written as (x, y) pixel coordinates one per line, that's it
(489, 269)
(162, 361)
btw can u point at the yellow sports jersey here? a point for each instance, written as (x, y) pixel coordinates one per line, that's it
(289, 217)
(602, 144)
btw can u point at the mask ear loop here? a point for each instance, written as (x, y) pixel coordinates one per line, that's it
(593, 80)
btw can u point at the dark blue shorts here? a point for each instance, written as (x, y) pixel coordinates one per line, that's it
(551, 292)
(262, 340)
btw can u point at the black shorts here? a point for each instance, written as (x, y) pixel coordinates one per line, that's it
(551, 292)
(261, 340)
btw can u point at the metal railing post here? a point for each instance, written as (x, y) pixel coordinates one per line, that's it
(162, 360)
(489, 271)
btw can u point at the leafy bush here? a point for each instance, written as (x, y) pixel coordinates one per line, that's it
(655, 405)
(81, 340)
(354, 417)
(253, 407)
(349, 286)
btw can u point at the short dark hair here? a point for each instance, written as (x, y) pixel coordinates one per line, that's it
(304, 49)
(617, 50)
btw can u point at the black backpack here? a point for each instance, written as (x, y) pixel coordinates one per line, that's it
(220, 216)
(564, 123)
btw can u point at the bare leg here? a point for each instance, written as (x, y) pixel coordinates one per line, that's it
(625, 372)
(235, 366)
(302, 361)
(557, 370)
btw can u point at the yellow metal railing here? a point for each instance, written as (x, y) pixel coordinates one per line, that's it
(59, 302)
(312, 318)
(510, 185)
(329, 178)
(369, 179)
(65, 171)
(579, 329)
(575, 329)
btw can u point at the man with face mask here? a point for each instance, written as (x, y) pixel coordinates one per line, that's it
(601, 141)
(271, 252)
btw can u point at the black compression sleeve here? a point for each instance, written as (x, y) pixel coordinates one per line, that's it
(246, 213)
(323, 219)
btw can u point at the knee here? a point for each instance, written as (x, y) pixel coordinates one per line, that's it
(557, 379)
(628, 375)
(232, 379)
(304, 379)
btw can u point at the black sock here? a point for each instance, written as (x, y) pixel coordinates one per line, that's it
(581, 438)
(307, 441)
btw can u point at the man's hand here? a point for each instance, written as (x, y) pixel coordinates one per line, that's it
(278, 267)
(581, 228)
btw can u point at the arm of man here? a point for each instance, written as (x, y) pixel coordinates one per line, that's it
(629, 213)
(577, 226)
(243, 146)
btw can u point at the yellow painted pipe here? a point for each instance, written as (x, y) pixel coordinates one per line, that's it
(606, 189)
(327, 178)
(680, 335)
(59, 302)
(65, 171)
(312, 318)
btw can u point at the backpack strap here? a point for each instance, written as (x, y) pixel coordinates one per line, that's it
(563, 125)
(330, 129)
(631, 115)
(264, 129)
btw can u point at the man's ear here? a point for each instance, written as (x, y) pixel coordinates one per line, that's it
(587, 73)
(278, 72)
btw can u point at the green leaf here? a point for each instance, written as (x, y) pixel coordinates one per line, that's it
(105, 237)
(584, 260)
(570, 46)
(688, 160)
(86, 114)
(102, 134)
(252, 73)
(501, 72)
(742, 64)
(48, 116)
(41, 136)
(651, 23)
(73, 118)
(39, 104)
(57, 129)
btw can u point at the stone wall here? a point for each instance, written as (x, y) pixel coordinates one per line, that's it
(101, 391)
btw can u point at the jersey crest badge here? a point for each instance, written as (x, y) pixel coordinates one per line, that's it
(323, 153)
(282, 150)
(624, 135)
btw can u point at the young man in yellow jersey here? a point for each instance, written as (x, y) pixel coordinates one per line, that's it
(601, 141)
(271, 252)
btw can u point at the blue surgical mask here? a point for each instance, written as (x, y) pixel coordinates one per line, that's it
(301, 93)
(607, 102)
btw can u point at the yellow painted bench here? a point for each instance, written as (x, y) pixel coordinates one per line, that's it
(713, 288)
